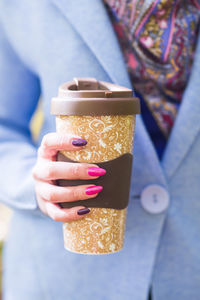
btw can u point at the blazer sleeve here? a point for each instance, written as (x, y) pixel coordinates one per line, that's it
(19, 94)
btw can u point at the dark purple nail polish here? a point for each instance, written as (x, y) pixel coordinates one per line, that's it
(79, 142)
(83, 211)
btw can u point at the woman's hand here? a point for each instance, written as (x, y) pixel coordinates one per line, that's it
(47, 170)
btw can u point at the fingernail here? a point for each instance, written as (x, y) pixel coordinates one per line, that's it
(79, 142)
(83, 211)
(96, 171)
(91, 190)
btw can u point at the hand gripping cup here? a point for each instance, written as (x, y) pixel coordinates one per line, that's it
(103, 114)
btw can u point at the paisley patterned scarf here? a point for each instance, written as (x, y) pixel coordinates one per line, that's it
(158, 40)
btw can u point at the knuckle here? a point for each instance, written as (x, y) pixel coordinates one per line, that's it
(52, 196)
(76, 195)
(76, 170)
(71, 216)
(50, 170)
(62, 140)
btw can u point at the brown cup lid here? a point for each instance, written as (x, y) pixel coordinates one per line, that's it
(87, 96)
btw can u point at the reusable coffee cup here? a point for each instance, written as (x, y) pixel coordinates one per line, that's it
(104, 115)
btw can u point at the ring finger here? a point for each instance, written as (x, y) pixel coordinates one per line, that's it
(57, 194)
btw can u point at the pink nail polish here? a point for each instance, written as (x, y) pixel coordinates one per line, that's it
(96, 171)
(91, 190)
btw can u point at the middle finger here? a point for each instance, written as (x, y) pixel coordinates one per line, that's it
(53, 170)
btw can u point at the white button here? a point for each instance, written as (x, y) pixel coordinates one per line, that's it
(155, 199)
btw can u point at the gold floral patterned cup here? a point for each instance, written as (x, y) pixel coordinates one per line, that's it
(103, 114)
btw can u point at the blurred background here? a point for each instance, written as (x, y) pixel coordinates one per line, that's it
(5, 212)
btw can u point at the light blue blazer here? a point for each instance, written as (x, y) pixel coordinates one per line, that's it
(44, 43)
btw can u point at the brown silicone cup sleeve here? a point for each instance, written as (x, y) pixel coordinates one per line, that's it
(116, 184)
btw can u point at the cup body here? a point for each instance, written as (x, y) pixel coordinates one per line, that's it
(108, 137)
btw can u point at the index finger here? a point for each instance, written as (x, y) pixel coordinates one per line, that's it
(54, 142)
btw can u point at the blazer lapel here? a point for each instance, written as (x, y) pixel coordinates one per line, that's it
(90, 20)
(187, 124)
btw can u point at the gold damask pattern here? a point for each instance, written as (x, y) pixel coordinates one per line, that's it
(101, 232)
(108, 137)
